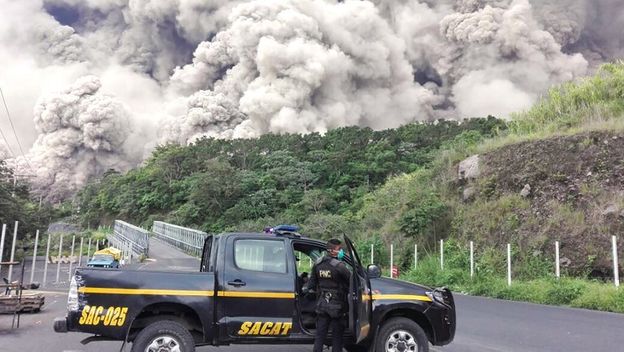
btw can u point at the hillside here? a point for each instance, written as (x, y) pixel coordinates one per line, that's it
(566, 188)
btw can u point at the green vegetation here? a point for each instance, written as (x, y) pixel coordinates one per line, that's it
(318, 181)
(534, 282)
(572, 105)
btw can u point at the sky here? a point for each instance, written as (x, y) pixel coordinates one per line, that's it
(97, 84)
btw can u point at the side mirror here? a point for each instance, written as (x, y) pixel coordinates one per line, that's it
(373, 271)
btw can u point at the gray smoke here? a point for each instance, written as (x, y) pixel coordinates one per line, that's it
(4, 153)
(177, 70)
(82, 133)
(302, 66)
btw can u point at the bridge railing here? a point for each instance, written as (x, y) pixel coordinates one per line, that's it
(188, 240)
(129, 238)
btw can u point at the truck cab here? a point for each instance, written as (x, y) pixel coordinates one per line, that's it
(249, 291)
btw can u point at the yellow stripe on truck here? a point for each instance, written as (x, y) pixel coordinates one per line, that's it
(144, 291)
(166, 292)
(251, 294)
(399, 297)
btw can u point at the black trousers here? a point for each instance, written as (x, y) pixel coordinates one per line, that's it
(323, 322)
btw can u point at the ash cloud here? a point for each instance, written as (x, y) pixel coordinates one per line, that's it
(82, 133)
(4, 153)
(177, 70)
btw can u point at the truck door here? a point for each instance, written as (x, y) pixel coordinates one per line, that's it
(360, 305)
(256, 294)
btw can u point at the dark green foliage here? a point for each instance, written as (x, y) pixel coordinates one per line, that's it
(309, 179)
(423, 214)
(16, 205)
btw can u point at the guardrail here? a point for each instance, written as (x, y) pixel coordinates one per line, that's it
(190, 241)
(130, 239)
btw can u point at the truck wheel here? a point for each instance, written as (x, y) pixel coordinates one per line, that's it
(164, 336)
(401, 335)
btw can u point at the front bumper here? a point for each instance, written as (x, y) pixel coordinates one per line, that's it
(443, 318)
(60, 325)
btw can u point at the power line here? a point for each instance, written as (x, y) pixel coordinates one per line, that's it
(13, 128)
(7, 143)
(11, 121)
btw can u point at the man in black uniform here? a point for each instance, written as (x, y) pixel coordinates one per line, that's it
(330, 280)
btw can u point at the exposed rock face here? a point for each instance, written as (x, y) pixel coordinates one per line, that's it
(573, 192)
(469, 168)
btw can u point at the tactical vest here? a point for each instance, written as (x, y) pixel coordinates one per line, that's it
(331, 298)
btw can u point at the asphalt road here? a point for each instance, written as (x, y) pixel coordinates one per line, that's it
(484, 325)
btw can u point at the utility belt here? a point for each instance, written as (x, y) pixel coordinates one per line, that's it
(331, 302)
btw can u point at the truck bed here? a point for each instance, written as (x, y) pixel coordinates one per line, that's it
(132, 293)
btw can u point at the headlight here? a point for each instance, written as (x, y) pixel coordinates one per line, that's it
(72, 297)
(436, 296)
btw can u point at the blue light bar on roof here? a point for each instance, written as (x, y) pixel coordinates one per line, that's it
(286, 228)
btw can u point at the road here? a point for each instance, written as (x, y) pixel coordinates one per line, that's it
(484, 325)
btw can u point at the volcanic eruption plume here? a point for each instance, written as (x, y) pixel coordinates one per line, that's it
(177, 70)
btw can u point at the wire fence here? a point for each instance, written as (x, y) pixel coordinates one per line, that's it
(188, 240)
(509, 261)
(49, 258)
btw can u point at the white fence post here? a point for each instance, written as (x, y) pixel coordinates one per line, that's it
(32, 267)
(45, 265)
(372, 253)
(442, 254)
(13, 251)
(557, 261)
(69, 275)
(616, 271)
(508, 264)
(391, 260)
(2, 242)
(58, 265)
(415, 256)
(471, 259)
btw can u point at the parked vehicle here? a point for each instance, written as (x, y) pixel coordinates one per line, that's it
(248, 290)
(105, 258)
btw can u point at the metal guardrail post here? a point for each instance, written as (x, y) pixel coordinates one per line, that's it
(45, 265)
(32, 267)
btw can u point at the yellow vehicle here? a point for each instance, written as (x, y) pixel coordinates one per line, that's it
(105, 258)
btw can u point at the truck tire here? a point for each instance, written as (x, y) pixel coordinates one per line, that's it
(164, 335)
(401, 334)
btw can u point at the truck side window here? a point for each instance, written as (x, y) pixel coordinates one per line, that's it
(260, 255)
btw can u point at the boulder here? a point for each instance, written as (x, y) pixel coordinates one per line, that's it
(469, 168)
(468, 194)
(526, 191)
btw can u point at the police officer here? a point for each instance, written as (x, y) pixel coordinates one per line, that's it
(330, 280)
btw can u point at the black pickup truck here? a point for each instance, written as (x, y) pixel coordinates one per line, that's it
(249, 291)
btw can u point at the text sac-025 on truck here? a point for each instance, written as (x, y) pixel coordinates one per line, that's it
(248, 290)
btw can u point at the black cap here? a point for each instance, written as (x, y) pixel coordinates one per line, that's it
(333, 243)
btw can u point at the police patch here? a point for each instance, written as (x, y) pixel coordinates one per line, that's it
(325, 274)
